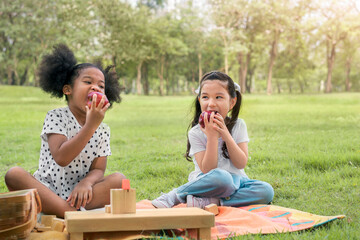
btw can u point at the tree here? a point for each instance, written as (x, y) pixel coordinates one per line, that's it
(335, 29)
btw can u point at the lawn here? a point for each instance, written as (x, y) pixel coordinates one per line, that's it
(306, 146)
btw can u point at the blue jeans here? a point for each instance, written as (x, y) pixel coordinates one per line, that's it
(231, 189)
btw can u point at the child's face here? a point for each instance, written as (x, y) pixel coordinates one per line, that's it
(215, 97)
(89, 80)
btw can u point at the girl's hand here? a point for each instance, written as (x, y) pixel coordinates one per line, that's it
(221, 127)
(210, 128)
(81, 195)
(96, 114)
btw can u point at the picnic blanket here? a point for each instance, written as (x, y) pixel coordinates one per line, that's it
(231, 221)
(256, 219)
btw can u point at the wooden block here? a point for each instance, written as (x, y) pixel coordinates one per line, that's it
(213, 208)
(58, 225)
(108, 208)
(143, 219)
(42, 228)
(123, 201)
(204, 233)
(76, 236)
(47, 220)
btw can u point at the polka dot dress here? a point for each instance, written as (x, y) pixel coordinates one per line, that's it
(62, 180)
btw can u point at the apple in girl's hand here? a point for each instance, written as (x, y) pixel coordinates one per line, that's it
(202, 116)
(98, 98)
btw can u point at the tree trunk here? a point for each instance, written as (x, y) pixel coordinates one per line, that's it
(301, 85)
(273, 54)
(9, 76)
(289, 85)
(278, 86)
(348, 69)
(225, 53)
(145, 77)
(193, 86)
(138, 78)
(243, 66)
(330, 65)
(24, 77)
(161, 75)
(200, 66)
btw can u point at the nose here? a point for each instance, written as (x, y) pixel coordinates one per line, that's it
(95, 88)
(211, 102)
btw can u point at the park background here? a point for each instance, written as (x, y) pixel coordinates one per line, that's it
(297, 62)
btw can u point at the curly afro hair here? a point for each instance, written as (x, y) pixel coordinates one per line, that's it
(60, 68)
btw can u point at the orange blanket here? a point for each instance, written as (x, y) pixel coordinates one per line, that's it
(257, 219)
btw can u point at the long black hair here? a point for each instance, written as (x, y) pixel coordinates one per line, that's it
(60, 68)
(229, 121)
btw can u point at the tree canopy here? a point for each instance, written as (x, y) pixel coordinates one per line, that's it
(163, 47)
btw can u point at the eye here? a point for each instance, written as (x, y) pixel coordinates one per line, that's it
(102, 87)
(219, 97)
(204, 97)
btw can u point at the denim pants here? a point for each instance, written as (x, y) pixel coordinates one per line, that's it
(231, 189)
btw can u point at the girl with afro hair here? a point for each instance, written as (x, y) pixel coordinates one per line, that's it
(75, 142)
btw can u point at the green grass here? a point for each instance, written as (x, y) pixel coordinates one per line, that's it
(306, 146)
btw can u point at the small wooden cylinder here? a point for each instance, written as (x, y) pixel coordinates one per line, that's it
(123, 201)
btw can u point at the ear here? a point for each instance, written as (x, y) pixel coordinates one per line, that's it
(232, 102)
(67, 89)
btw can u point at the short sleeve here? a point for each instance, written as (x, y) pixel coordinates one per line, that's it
(197, 140)
(54, 123)
(239, 132)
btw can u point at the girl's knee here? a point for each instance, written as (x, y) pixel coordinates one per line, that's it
(221, 179)
(12, 177)
(116, 179)
(13, 174)
(267, 192)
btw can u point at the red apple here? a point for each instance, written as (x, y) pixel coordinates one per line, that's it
(202, 116)
(98, 98)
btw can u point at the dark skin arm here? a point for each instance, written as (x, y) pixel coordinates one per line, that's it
(82, 193)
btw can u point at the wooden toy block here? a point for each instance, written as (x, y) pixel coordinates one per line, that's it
(108, 208)
(58, 225)
(213, 208)
(123, 201)
(78, 223)
(47, 220)
(42, 228)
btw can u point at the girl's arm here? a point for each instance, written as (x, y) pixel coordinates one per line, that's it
(238, 153)
(208, 159)
(65, 150)
(82, 193)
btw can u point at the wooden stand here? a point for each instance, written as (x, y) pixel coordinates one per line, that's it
(78, 223)
(121, 216)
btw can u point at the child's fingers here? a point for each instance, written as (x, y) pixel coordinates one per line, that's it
(85, 200)
(69, 198)
(79, 201)
(90, 197)
(206, 120)
(101, 103)
(73, 200)
(93, 102)
(219, 123)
